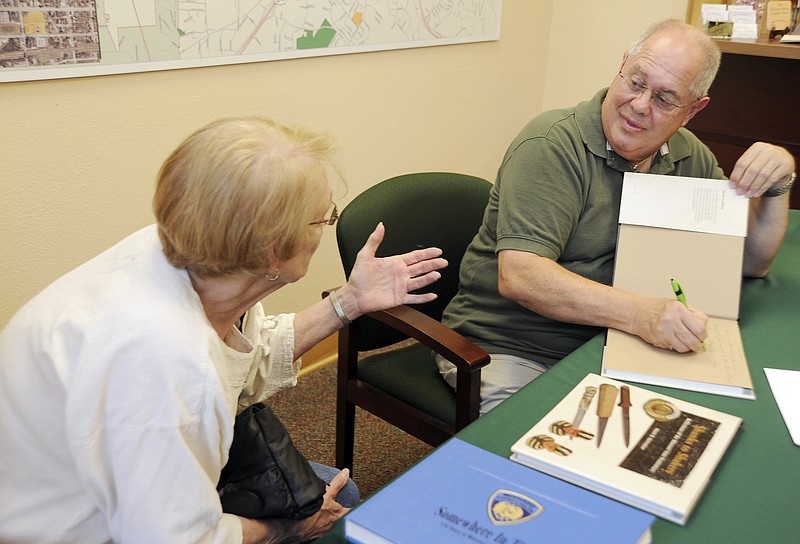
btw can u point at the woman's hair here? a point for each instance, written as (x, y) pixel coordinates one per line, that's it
(238, 194)
(711, 53)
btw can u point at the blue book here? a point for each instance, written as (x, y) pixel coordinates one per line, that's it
(462, 493)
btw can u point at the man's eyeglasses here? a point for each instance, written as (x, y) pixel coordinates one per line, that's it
(663, 102)
(329, 221)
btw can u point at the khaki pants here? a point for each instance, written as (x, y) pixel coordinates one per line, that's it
(503, 376)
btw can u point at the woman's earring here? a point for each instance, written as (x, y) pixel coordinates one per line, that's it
(275, 277)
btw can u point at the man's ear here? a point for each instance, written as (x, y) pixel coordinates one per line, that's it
(695, 108)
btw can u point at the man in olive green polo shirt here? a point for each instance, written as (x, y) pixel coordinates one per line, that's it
(535, 282)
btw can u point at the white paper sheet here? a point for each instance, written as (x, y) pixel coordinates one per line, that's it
(785, 384)
(683, 203)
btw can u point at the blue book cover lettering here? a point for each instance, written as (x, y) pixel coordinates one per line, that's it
(462, 493)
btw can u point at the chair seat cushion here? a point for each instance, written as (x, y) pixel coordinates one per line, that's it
(411, 375)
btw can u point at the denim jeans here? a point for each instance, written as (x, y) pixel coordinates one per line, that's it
(349, 495)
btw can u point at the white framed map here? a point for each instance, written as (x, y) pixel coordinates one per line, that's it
(49, 39)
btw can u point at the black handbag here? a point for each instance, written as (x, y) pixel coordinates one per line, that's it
(266, 477)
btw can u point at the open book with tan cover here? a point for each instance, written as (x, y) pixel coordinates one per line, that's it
(691, 230)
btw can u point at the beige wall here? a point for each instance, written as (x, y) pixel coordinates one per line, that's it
(585, 51)
(78, 156)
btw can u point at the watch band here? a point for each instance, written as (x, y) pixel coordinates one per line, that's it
(781, 190)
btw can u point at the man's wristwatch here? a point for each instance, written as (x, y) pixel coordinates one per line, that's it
(781, 190)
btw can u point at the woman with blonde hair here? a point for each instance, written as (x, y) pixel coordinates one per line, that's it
(120, 382)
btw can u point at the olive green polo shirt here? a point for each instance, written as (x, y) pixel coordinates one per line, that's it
(557, 194)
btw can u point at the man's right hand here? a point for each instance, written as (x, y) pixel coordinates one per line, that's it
(668, 324)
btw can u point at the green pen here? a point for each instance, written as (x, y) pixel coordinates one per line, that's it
(678, 292)
(676, 287)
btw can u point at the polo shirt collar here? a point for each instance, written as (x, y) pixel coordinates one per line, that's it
(662, 160)
(590, 124)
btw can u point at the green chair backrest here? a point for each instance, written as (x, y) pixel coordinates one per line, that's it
(424, 209)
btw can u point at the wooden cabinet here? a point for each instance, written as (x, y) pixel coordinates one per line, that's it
(755, 97)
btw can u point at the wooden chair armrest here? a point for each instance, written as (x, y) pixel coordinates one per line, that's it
(440, 338)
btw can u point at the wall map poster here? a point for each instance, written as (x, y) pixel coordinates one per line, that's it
(46, 39)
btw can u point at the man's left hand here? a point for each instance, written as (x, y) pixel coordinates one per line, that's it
(763, 166)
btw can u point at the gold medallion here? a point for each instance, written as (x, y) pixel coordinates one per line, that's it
(661, 410)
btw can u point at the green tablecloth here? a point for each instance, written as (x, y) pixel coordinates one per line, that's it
(754, 496)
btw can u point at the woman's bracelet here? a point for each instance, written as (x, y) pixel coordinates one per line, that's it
(338, 308)
(781, 190)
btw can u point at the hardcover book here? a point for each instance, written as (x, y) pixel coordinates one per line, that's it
(648, 450)
(691, 230)
(461, 493)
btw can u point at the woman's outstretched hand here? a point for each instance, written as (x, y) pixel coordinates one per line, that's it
(377, 283)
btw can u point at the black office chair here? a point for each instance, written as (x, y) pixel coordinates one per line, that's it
(402, 386)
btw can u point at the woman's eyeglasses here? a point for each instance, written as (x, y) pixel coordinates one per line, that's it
(329, 221)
